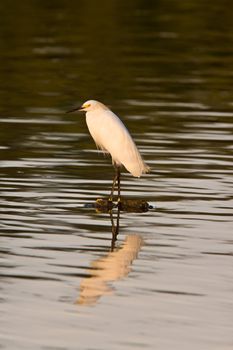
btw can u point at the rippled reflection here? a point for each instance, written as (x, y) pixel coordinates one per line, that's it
(110, 268)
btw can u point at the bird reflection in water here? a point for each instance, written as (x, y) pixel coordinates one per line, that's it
(112, 267)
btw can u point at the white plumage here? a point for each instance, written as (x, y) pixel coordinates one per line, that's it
(110, 135)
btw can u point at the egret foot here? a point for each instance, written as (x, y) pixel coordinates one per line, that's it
(104, 205)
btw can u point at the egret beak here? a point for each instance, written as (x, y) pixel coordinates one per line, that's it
(76, 109)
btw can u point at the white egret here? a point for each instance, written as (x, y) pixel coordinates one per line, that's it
(111, 136)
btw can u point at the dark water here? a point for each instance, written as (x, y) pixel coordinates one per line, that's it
(166, 67)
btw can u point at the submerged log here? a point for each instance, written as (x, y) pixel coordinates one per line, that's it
(129, 205)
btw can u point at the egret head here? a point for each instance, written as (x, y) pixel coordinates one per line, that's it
(89, 106)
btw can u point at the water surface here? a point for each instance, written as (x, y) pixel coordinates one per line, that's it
(166, 69)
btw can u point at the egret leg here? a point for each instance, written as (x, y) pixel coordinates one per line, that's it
(119, 184)
(113, 187)
(116, 179)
